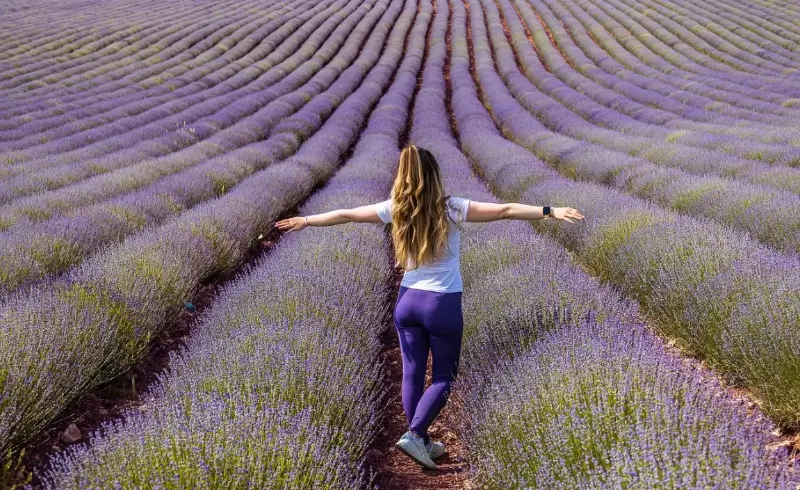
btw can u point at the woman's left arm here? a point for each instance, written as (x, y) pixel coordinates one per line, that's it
(362, 214)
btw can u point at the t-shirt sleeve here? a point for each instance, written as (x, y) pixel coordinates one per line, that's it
(462, 205)
(384, 210)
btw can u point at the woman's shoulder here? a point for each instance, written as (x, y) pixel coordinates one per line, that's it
(457, 202)
(457, 208)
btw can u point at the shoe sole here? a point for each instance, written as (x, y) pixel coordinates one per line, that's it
(414, 458)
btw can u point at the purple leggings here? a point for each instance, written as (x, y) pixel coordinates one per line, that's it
(426, 320)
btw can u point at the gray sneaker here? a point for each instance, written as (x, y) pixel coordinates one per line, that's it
(435, 449)
(414, 447)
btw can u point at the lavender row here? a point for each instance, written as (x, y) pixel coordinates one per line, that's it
(96, 35)
(244, 121)
(712, 46)
(730, 47)
(34, 252)
(15, 14)
(53, 12)
(628, 116)
(31, 45)
(643, 89)
(526, 12)
(312, 349)
(749, 27)
(222, 47)
(33, 42)
(719, 293)
(590, 113)
(224, 123)
(129, 100)
(220, 113)
(782, 5)
(769, 21)
(709, 93)
(47, 205)
(691, 48)
(692, 160)
(638, 103)
(98, 114)
(601, 405)
(659, 57)
(77, 73)
(686, 158)
(778, 10)
(164, 113)
(671, 53)
(708, 19)
(66, 337)
(235, 48)
(628, 53)
(298, 319)
(550, 307)
(80, 67)
(731, 203)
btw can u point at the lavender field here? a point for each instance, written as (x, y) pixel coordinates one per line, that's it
(147, 149)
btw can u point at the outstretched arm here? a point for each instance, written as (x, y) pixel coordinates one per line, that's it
(490, 211)
(362, 214)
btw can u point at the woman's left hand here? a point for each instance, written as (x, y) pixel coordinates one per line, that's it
(566, 213)
(292, 224)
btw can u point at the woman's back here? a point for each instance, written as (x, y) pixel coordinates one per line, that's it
(443, 274)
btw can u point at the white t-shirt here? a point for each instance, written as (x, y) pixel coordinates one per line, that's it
(443, 274)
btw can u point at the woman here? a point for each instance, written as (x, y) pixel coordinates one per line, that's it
(426, 227)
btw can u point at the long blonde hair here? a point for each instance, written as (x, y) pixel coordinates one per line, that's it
(419, 215)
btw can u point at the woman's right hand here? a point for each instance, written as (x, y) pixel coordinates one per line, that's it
(565, 214)
(292, 224)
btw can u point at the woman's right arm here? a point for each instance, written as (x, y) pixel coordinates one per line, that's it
(490, 211)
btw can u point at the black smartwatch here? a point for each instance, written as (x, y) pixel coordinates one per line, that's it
(546, 211)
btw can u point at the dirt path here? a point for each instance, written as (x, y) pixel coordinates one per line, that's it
(394, 469)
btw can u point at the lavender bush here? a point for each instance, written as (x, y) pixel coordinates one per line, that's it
(621, 115)
(193, 44)
(556, 118)
(546, 400)
(733, 203)
(602, 406)
(662, 44)
(272, 68)
(123, 296)
(647, 90)
(169, 39)
(230, 120)
(288, 347)
(744, 328)
(107, 106)
(53, 247)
